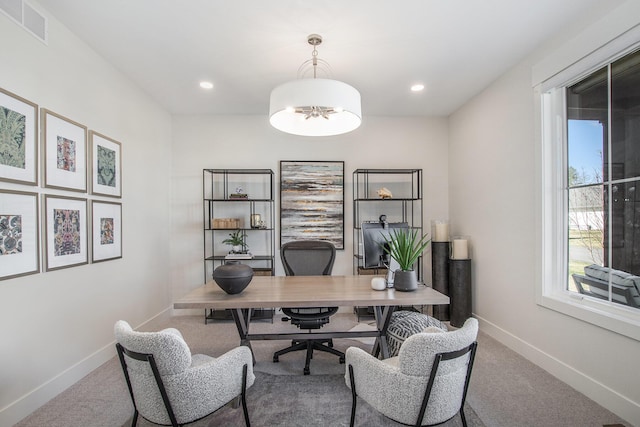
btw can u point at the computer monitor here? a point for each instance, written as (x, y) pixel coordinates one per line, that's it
(373, 240)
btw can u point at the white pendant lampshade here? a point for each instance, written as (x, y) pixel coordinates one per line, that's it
(315, 107)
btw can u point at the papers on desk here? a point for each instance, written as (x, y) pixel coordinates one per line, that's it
(239, 256)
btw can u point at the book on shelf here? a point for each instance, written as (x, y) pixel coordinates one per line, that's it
(248, 255)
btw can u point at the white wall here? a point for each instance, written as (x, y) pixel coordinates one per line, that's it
(250, 142)
(58, 326)
(492, 197)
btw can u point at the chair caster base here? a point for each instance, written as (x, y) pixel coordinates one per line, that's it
(342, 360)
(275, 359)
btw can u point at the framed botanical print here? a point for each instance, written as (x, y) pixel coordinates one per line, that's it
(65, 231)
(312, 201)
(65, 152)
(106, 169)
(19, 248)
(106, 227)
(18, 139)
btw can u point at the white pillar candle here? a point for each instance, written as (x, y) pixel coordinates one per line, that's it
(460, 249)
(440, 231)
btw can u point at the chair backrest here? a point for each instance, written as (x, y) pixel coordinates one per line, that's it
(308, 257)
(172, 354)
(446, 358)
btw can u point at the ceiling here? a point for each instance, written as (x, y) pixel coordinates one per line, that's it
(381, 47)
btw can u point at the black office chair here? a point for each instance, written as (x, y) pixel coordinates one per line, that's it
(309, 258)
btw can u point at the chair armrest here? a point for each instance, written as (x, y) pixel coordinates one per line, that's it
(210, 384)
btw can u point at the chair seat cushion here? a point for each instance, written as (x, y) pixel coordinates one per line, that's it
(405, 323)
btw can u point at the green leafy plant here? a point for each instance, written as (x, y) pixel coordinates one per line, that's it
(237, 238)
(405, 246)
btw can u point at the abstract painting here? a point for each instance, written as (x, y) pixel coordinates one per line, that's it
(65, 152)
(312, 201)
(19, 250)
(107, 230)
(66, 231)
(105, 165)
(18, 139)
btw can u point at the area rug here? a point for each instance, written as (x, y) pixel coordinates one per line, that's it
(304, 401)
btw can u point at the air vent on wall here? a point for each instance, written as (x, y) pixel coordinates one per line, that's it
(26, 16)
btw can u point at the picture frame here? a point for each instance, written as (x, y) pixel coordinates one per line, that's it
(18, 139)
(19, 238)
(65, 232)
(312, 201)
(65, 152)
(106, 165)
(106, 226)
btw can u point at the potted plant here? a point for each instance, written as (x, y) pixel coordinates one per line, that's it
(405, 246)
(237, 242)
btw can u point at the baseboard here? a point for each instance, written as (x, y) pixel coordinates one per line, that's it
(30, 402)
(594, 390)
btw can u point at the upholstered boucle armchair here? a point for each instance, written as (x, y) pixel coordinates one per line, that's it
(196, 385)
(401, 387)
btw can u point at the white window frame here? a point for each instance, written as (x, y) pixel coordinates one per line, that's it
(551, 167)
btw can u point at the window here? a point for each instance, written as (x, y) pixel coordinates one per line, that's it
(591, 205)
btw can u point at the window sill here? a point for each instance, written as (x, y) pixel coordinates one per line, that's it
(624, 321)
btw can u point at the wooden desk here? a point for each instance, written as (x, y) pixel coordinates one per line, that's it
(310, 291)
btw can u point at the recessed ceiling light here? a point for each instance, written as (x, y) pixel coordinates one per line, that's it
(417, 88)
(206, 85)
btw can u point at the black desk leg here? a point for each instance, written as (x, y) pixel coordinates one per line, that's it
(383, 318)
(242, 317)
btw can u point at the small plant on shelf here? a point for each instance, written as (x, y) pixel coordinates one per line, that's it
(237, 242)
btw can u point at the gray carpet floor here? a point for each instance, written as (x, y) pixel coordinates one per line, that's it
(506, 390)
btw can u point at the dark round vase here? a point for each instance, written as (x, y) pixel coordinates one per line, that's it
(233, 277)
(405, 281)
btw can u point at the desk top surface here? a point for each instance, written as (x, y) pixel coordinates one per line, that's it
(307, 291)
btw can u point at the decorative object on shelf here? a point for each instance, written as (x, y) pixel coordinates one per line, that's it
(385, 193)
(106, 170)
(19, 249)
(65, 152)
(460, 247)
(18, 139)
(65, 231)
(107, 230)
(237, 242)
(256, 221)
(405, 246)
(312, 201)
(378, 284)
(233, 277)
(226, 223)
(315, 106)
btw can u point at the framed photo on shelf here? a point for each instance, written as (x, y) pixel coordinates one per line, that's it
(19, 247)
(65, 231)
(312, 201)
(65, 152)
(18, 139)
(106, 228)
(106, 169)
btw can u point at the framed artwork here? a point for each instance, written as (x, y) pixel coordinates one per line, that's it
(65, 152)
(312, 201)
(18, 139)
(66, 232)
(19, 248)
(106, 169)
(106, 226)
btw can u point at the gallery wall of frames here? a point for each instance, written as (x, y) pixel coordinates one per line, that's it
(69, 212)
